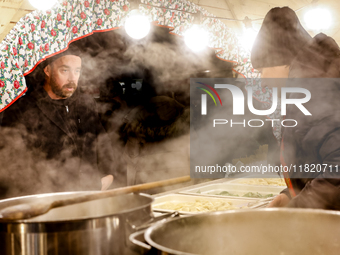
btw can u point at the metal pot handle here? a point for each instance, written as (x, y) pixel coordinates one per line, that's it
(154, 220)
(144, 227)
(133, 240)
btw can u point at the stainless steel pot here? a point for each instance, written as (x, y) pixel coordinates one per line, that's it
(99, 227)
(255, 232)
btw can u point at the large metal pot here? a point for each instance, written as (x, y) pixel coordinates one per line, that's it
(99, 227)
(255, 232)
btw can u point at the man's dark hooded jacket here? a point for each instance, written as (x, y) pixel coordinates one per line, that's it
(316, 139)
(65, 134)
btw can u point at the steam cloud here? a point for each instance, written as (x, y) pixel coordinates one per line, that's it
(162, 61)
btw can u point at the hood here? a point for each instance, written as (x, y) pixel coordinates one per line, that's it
(319, 59)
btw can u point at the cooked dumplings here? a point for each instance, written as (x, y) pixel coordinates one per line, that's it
(199, 205)
(262, 181)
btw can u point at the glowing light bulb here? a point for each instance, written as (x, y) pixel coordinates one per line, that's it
(196, 38)
(318, 19)
(248, 38)
(43, 4)
(137, 25)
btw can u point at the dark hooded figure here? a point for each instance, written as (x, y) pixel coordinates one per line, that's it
(55, 141)
(283, 49)
(279, 40)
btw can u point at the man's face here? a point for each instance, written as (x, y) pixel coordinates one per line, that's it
(63, 75)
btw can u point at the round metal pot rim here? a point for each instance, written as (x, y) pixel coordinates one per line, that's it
(77, 219)
(148, 232)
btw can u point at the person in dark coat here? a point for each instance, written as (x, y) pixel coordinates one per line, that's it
(66, 146)
(279, 40)
(315, 140)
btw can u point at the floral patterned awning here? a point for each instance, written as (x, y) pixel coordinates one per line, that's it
(40, 35)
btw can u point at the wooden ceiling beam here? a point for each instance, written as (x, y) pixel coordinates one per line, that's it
(9, 22)
(18, 9)
(233, 13)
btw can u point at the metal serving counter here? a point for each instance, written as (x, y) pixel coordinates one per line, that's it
(219, 195)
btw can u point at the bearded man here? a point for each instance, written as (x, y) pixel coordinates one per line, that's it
(60, 127)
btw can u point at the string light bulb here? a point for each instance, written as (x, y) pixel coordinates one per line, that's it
(248, 38)
(318, 19)
(43, 4)
(137, 25)
(196, 37)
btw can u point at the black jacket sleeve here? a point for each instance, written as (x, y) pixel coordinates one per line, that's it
(323, 192)
(11, 116)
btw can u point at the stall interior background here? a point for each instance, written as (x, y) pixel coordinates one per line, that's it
(12, 10)
(123, 74)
